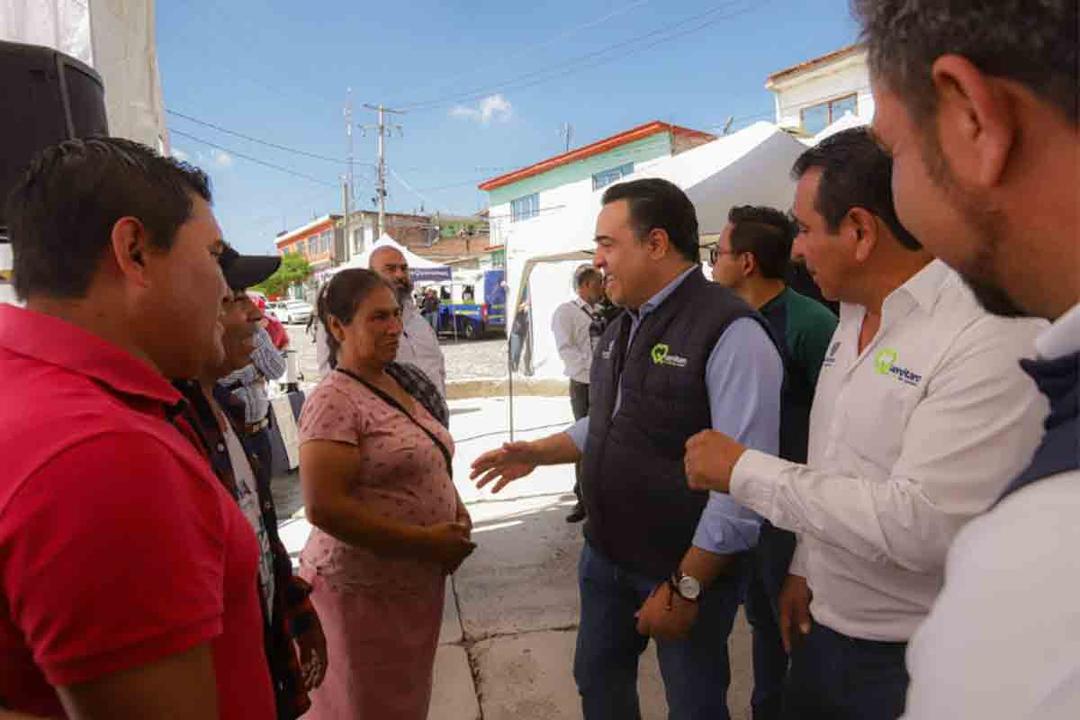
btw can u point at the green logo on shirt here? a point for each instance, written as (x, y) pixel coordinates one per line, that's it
(885, 363)
(661, 355)
(885, 360)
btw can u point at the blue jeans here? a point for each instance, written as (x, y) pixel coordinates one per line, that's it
(836, 677)
(770, 561)
(695, 670)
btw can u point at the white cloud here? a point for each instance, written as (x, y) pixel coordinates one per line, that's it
(180, 155)
(221, 158)
(493, 108)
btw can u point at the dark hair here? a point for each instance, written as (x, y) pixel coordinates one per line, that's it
(1033, 42)
(766, 233)
(656, 203)
(855, 172)
(62, 210)
(586, 274)
(340, 298)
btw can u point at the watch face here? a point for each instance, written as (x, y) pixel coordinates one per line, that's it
(689, 587)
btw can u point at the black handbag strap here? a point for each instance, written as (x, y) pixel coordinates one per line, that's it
(389, 400)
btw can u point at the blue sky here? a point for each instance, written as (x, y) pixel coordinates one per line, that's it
(488, 85)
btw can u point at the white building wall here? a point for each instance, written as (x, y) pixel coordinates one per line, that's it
(827, 82)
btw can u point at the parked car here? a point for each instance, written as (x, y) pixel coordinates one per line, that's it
(291, 312)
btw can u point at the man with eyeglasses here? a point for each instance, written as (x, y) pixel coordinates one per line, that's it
(752, 258)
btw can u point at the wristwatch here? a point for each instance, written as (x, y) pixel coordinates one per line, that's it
(685, 586)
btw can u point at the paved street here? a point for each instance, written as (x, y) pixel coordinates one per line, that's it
(512, 609)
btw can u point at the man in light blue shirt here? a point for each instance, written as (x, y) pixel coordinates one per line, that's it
(687, 355)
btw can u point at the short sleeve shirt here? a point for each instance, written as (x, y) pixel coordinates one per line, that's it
(118, 547)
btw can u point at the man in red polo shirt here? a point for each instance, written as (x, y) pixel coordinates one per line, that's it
(127, 573)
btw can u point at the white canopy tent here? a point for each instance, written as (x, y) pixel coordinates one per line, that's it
(750, 167)
(418, 265)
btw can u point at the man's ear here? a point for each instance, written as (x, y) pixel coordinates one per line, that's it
(975, 121)
(130, 245)
(862, 228)
(658, 242)
(749, 263)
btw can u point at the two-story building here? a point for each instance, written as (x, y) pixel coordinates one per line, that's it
(549, 185)
(318, 241)
(816, 93)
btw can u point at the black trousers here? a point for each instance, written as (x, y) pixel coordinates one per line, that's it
(579, 403)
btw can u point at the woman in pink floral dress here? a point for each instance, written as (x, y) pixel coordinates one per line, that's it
(389, 525)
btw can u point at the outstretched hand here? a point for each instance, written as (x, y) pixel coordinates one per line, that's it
(510, 462)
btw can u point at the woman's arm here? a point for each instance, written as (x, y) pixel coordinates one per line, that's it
(326, 471)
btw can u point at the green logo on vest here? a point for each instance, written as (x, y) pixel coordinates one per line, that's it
(661, 355)
(659, 352)
(885, 360)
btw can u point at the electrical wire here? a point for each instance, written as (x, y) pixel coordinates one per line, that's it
(256, 160)
(666, 33)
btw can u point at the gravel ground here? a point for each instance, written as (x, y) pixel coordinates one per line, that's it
(465, 359)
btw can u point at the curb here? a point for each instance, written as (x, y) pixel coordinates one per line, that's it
(497, 387)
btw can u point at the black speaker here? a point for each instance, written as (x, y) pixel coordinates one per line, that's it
(46, 97)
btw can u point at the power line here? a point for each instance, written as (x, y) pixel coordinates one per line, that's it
(256, 160)
(569, 65)
(276, 146)
(530, 48)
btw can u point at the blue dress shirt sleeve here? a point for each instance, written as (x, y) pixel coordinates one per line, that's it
(744, 377)
(579, 433)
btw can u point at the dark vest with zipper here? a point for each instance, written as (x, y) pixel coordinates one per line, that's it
(640, 512)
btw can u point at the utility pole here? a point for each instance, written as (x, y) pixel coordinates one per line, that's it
(566, 131)
(347, 248)
(380, 168)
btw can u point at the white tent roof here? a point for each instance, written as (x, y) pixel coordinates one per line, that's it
(416, 262)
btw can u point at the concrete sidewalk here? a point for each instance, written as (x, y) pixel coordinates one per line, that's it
(511, 612)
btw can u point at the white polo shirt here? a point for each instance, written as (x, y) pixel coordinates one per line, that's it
(1002, 640)
(909, 439)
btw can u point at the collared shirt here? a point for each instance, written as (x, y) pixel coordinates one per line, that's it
(119, 546)
(744, 375)
(248, 384)
(419, 346)
(898, 458)
(571, 324)
(1001, 639)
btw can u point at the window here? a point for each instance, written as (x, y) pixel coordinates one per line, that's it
(817, 117)
(326, 241)
(606, 177)
(312, 246)
(524, 208)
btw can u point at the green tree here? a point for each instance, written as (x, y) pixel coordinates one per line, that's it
(294, 269)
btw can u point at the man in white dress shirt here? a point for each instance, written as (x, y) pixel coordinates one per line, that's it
(419, 344)
(576, 326)
(977, 102)
(918, 382)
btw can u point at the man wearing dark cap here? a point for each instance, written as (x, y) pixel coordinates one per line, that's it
(248, 384)
(219, 419)
(129, 575)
